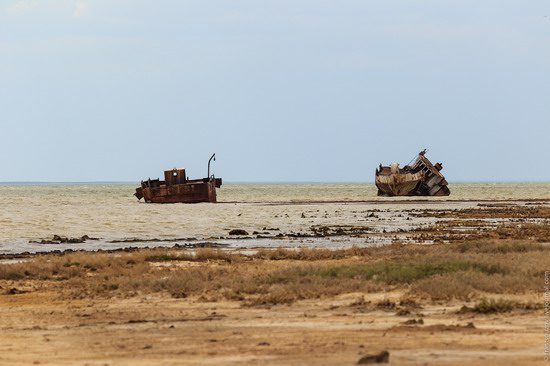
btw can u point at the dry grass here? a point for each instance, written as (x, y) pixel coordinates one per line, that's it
(462, 271)
(493, 306)
(499, 246)
(309, 254)
(488, 222)
(454, 231)
(74, 265)
(491, 212)
(521, 231)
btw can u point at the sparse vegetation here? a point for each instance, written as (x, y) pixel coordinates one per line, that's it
(408, 272)
(494, 306)
(281, 276)
(500, 247)
(255, 305)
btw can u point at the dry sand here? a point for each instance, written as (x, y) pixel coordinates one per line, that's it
(39, 328)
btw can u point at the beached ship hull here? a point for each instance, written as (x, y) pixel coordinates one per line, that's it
(176, 188)
(398, 184)
(198, 190)
(421, 178)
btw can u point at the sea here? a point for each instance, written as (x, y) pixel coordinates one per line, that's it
(108, 212)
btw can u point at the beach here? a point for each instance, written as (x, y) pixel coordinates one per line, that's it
(298, 274)
(274, 183)
(110, 213)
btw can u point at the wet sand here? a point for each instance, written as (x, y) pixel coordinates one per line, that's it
(327, 224)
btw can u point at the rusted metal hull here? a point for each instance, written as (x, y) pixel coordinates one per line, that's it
(199, 191)
(398, 184)
(421, 178)
(177, 188)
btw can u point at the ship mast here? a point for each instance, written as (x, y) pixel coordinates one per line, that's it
(212, 157)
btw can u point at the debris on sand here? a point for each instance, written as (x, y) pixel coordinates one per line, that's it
(419, 321)
(57, 239)
(238, 232)
(382, 357)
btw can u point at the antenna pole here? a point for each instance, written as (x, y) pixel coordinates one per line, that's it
(212, 157)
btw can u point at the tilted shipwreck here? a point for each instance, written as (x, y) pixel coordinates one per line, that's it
(177, 188)
(421, 178)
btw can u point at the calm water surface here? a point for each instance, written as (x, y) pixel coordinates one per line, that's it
(110, 211)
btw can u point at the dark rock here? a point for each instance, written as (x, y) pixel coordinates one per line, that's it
(414, 322)
(385, 305)
(57, 239)
(403, 312)
(382, 357)
(86, 237)
(238, 232)
(465, 309)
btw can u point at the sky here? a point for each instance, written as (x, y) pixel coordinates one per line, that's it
(280, 90)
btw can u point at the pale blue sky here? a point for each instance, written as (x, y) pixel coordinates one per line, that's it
(117, 90)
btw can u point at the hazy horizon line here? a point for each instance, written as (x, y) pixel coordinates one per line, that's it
(256, 182)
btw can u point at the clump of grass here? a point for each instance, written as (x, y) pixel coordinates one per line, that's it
(290, 254)
(277, 295)
(71, 264)
(500, 247)
(444, 287)
(311, 254)
(490, 306)
(386, 304)
(199, 255)
(165, 257)
(11, 272)
(211, 254)
(408, 272)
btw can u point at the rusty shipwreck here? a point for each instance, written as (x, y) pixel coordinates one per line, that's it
(418, 178)
(177, 188)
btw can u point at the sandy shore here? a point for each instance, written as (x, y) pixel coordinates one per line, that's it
(268, 225)
(423, 304)
(39, 328)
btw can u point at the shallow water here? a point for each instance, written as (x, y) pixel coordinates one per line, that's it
(31, 212)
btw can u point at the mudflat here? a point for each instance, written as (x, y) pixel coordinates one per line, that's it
(466, 288)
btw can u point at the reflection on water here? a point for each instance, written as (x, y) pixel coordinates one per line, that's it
(109, 211)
